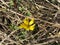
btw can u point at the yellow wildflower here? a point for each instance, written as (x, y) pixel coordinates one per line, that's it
(28, 24)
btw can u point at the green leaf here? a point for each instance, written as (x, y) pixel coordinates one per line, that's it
(21, 8)
(11, 2)
(13, 27)
(58, 44)
(19, 0)
(28, 13)
(22, 37)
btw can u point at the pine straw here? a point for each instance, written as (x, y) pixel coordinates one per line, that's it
(46, 18)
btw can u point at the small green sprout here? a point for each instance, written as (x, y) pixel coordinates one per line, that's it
(11, 2)
(13, 27)
(21, 8)
(28, 13)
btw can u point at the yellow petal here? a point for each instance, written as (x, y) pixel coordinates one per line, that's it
(31, 22)
(27, 28)
(24, 26)
(21, 25)
(26, 21)
(32, 27)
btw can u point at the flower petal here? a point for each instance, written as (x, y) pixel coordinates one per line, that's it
(21, 25)
(32, 27)
(26, 21)
(31, 22)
